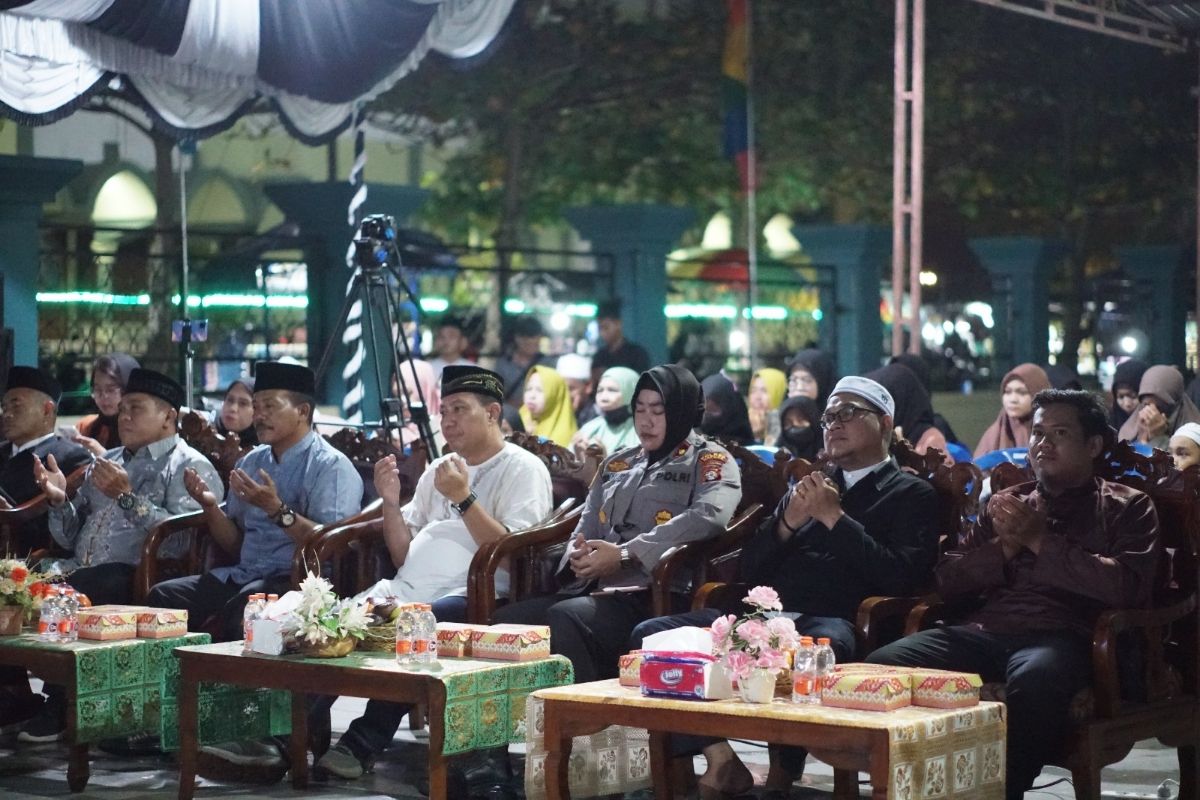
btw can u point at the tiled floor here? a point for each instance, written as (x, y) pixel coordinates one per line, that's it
(38, 771)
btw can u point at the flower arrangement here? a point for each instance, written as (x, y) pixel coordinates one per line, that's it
(19, 585)
(321, 617)
(755, 641)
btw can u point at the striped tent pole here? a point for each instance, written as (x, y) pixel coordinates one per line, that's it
(352, 334)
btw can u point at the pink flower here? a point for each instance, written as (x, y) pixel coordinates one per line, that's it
(721, 627)
(765, 598)
(739, 663)
(754, 633)
(771, 659)
(781, 626)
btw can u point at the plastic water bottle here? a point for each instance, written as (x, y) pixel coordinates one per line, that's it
(823, 662)
(405, 623)
(68, 619)
(804, 673)
(253, 611)
(425, 635)
(48, 620)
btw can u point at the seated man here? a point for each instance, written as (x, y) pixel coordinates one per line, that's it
(28, 426)
(676, 487)
(1044, 558)
(126, 492)
(832, 542)
(279, 491)
(486, 489)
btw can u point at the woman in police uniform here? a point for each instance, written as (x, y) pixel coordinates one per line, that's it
(675, 487)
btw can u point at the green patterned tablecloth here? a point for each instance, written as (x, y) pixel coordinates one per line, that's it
(131, 687)
(485, 700)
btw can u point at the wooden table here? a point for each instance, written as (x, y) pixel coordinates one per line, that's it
(469, 702)
(112, 688)
(910, 752)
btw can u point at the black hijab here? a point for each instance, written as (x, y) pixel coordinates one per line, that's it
(801, 442)
(918, 365)
(914, 411)
(732, 420)
(683, 401)
(248, 436)
(818, 364)
(1063, 377)
(1128, 374)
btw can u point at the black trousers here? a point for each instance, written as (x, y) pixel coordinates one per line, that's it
(105, 583)
(204, 595)
(590, 630)
(1042, 671)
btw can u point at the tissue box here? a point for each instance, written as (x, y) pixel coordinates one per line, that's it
(161, 623)
(935, 688)
(266, 637)
(454, 639)
(867, 690)
(629, 667)
(108, 623)
(694, 676)
(511, 642)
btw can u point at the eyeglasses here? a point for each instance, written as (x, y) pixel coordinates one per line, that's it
(107, 391)
(844, 414)
(802, 380)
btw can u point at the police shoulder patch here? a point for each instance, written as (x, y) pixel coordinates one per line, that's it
(712, 464)
(618, 466)
(662, 517)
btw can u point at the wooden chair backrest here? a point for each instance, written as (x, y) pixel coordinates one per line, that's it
(364, 451)
(351, 554)
(223, 451)
(570, 474)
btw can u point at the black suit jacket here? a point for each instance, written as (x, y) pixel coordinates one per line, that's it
(16, 478)
(885, 544)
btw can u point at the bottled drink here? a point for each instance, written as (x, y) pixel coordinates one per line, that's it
(804, 673)
(424, 636)
(48, 620)
(253, 610)
(405, 623)
(68, 618)
(823, 663)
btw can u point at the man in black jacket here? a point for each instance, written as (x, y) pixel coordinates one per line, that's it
(835, 539)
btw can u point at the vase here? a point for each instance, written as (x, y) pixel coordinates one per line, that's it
(330, 648)
(11, 618)
(758, 686)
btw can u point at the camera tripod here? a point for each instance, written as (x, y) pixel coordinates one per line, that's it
(376, 258)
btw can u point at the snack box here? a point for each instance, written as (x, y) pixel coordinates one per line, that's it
(935, 688)
(161, 623)
(511, 642)
(108, 623)
(867, 690)
(629, 668)
(454, 639)
(694, 676)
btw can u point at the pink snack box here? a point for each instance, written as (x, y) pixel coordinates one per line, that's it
(161, 623)
(511, 642)
(694, 676)
(108, 623)
(454, 639)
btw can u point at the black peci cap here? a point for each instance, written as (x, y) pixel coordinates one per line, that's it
(147, 381)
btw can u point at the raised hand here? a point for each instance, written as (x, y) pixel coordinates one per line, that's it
(197, 487)
(51, 480)
(263, 495)
(387, 480)
(451, 479)
(92, 446)
(110, 478)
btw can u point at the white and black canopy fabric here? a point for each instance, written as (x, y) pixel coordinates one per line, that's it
(196, 65)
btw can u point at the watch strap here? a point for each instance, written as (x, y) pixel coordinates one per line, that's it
(467, 502)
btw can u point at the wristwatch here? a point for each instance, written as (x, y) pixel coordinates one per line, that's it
(126, 501)
(284, 517)
(627, 560)
(462, 507)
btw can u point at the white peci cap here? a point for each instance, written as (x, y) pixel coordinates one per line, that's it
(573, 365)
(868, 390)
(1189, 429)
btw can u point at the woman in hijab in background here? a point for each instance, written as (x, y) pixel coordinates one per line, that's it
(920, 368)
(800, 430)
(1011, 428)
(613, 429)
(811, 373)
(420, 374)
(110, 373)
(768, 387)
(1127, 379)
(236, 414)
(725, 413)
(914, 411)
(1163, 407)
(547, 411)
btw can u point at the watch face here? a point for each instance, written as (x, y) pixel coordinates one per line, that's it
(287, 519)
(126, 501)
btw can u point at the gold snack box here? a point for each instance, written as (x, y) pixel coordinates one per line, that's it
(108, 623)
(867, 691)
(454, 639)
(511, 642)
(630, 669)
(161, 623)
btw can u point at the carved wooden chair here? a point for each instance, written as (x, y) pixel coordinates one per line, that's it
(570, 474)
(1105, 724)
(14, 519)
(222, 450)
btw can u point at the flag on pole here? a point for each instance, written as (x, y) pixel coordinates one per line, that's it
(734, 80)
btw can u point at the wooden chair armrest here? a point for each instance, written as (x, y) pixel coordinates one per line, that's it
(305, 554)
(924, 614)
(877, 615)
(30, 509)
(481, 590)
(722, 596)
(674, 562)
(147, 569)
(1106, 683)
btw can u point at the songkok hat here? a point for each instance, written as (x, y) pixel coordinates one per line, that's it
(574, 366)
(868, 390)
(1189, 429)
(270, 375)
(458, 378)
(33, 378)
(147, 381)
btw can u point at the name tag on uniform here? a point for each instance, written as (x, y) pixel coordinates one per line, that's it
(677, 477)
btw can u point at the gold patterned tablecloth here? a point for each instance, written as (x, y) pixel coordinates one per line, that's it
(955, 754)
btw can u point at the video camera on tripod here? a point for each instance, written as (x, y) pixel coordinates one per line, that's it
(375, 244)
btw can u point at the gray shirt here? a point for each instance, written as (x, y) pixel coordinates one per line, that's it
(316, 480)
(101, 532)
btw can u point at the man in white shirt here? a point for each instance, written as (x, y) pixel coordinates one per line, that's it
(485, 488)
(450, 342)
